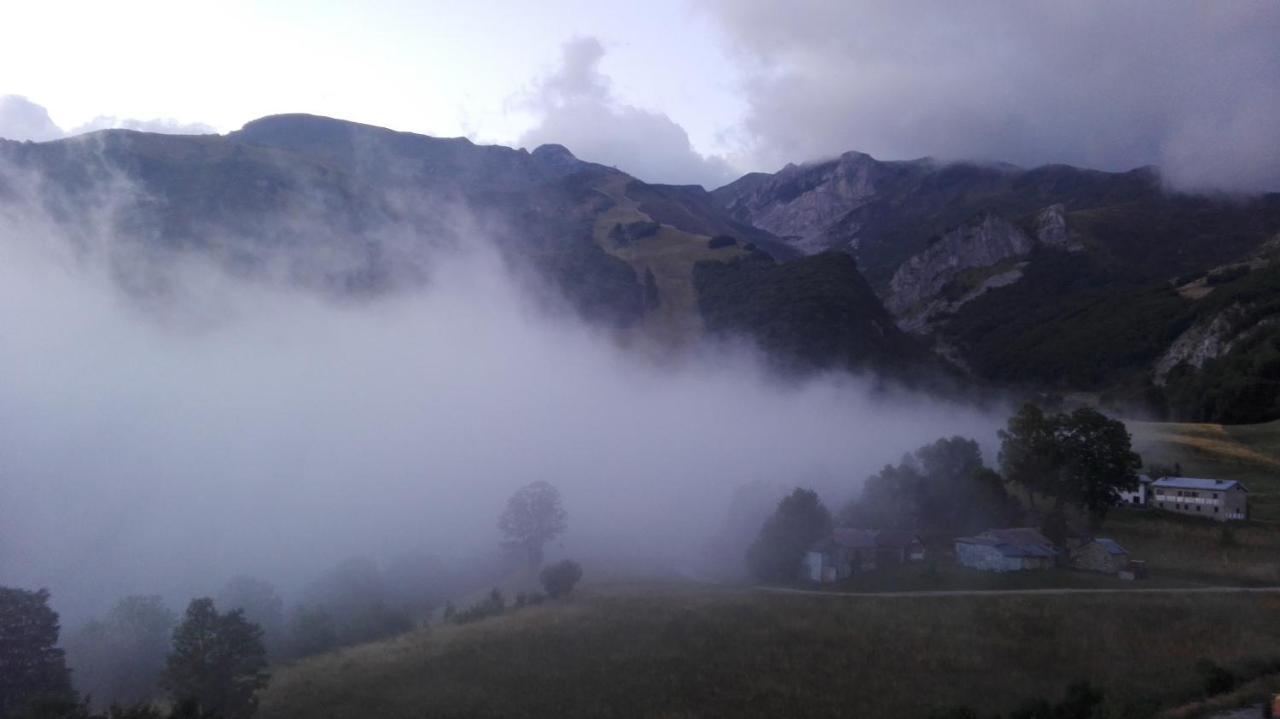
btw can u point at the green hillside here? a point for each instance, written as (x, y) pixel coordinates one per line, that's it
(683, 651)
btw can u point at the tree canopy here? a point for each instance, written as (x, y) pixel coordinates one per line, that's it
(118, 659)
(533, 517)
(800, 520)
(32, 667)
(218, 661)
(1082, 458)
(941, 487)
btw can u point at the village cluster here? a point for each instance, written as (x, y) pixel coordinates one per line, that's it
(850, 551)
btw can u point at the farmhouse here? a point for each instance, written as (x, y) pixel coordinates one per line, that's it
(1006, 550)
(1218, 499)
(1100, 555)
(848, 551)
(1140, 496)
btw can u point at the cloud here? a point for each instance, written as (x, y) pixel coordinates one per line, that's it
(279, 431)
(576, 108)
(22, 119)
(164, 126)
(1189, 86)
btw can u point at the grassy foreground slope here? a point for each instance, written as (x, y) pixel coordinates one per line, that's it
(1248, 453)
(680, 651)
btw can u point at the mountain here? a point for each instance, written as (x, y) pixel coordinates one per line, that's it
(1052, 278)
(346, 208)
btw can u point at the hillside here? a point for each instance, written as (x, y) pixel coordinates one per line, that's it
(1051, 279)
(683, 651)
(1054, 278)
(345, 208)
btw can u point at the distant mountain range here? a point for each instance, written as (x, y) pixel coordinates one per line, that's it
(1049, 279)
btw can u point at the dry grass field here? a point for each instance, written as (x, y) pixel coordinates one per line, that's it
(686, 651)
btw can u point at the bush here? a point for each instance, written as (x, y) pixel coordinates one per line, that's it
(560, 578)
(721, 241)
(494, 606)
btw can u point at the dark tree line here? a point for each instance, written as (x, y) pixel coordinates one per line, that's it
(215, 666)
(1079, 460)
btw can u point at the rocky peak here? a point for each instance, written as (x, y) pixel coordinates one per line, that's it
(557, 157)
(801, 201)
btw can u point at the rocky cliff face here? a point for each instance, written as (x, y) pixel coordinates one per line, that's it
(1210, 338)
(987, 252)
(801, 202)
(985, 242)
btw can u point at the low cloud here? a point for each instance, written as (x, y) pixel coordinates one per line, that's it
(279, 431)
(22, 119)
(577, 108)
(1189, 86)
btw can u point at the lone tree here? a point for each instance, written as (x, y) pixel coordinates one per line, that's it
(32, 667)
(1083, 458)
(799, 521)
(560, 578)
(218, 662)
(532, 518)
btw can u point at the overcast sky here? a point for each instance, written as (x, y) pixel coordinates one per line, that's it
(686, 90)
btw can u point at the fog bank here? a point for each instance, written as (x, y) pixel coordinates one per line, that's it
(243, 427)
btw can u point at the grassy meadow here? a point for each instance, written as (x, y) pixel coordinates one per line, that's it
(686, 651)
(1248, 453)
(1198, 551)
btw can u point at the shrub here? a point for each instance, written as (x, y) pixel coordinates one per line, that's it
(491, 607)
(560, 578)
(721, 241)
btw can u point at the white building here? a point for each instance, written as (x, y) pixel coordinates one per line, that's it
(1139, 496)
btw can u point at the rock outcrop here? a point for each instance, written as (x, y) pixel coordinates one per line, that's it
(988, 241)
(1209, 339)
(1051, 229)
(801, 202)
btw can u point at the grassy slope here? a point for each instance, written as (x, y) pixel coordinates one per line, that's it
(670, 254)
(673, 651)
(1248, 453)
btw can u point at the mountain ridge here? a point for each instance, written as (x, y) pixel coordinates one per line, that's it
(996, 267)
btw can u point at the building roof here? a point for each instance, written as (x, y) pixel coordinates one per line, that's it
(1014, 542)
(1112, 546)
(1201, 484)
